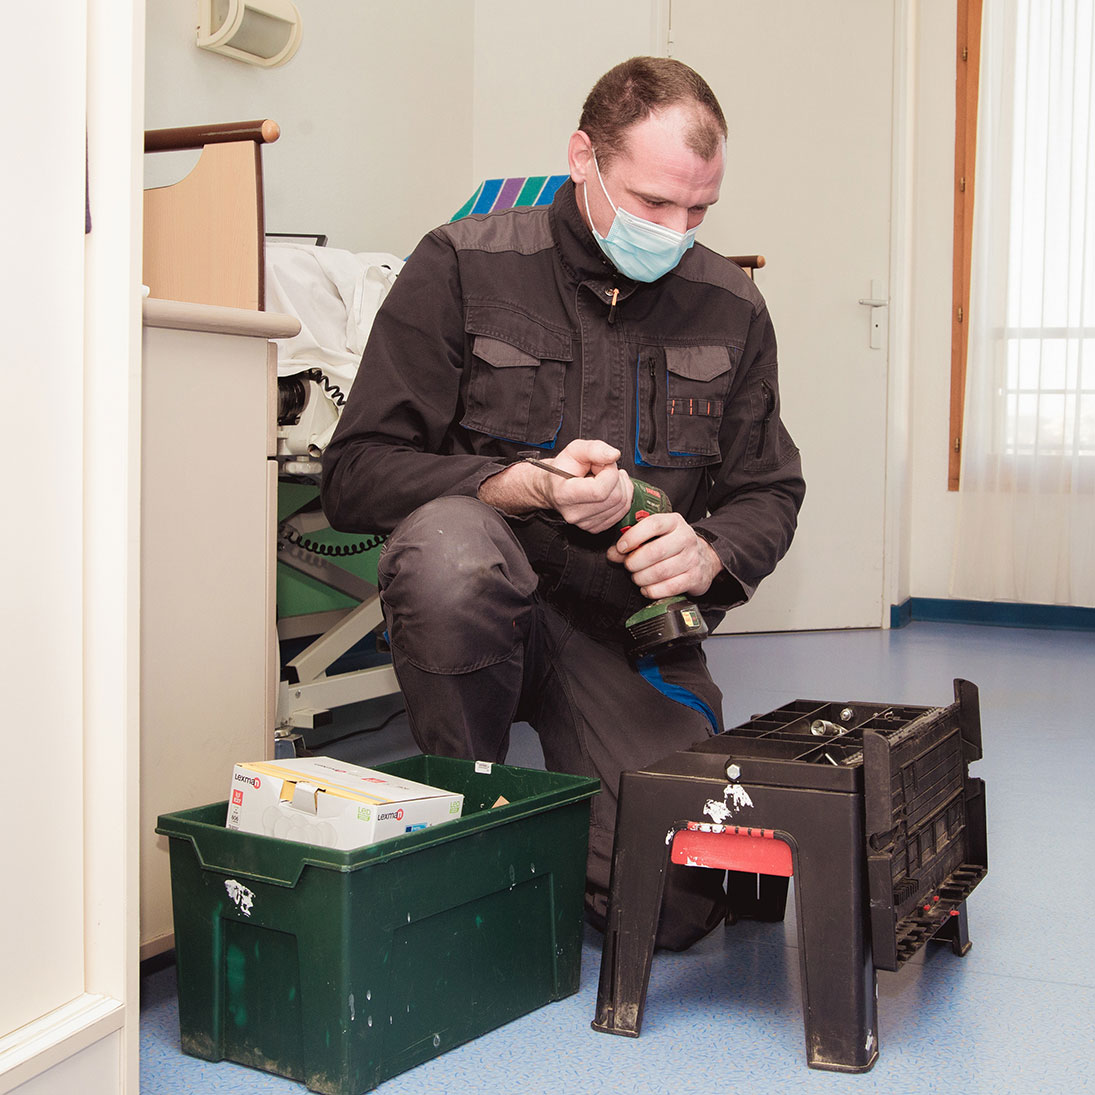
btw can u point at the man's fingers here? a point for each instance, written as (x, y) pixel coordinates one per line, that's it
(648, 528)
(584, 456)
(679, 561)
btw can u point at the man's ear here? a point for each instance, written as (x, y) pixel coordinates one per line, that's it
(580, 157)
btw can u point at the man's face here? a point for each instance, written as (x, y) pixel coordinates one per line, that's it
(656, 176)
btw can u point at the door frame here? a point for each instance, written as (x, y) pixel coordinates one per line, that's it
(897, 532)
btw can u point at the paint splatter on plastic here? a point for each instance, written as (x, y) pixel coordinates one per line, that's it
(734, 798)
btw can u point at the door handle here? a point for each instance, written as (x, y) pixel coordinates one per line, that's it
(875, 301)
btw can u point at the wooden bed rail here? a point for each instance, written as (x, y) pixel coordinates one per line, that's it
(204, 235)
(749, 263)
(262, 131)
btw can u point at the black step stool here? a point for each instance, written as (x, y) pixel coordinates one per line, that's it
(869, 806)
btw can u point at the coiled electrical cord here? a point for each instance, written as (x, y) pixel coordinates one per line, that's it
(291, 536)
(291, 399)
(293, 394)
(335, 393)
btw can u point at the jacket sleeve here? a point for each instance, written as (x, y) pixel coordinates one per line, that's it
(391, 451)
(758, 489)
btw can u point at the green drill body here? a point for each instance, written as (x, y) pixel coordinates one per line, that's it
(670, 621)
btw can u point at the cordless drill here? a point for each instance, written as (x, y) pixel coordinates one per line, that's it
(669, 621)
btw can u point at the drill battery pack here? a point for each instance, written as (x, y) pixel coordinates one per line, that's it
(672, 621)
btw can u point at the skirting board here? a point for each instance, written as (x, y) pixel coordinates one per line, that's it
(995, 613)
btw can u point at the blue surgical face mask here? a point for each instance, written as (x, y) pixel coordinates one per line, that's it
(638, 248)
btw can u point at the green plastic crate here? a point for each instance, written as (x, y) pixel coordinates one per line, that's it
(343, 968)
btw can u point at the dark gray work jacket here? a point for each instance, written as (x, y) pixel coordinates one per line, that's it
(500, 335)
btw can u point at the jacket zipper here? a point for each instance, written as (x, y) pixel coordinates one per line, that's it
(652, 370)
(769, 410)
(614, 294)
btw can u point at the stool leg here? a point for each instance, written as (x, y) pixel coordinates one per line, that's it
(638, 880)
(956, 932)
(840, 1012)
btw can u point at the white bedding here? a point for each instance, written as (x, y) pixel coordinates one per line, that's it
(335, 294)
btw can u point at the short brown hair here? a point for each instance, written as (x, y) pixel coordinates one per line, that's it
(635, 89)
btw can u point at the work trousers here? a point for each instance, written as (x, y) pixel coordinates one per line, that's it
(493, 621)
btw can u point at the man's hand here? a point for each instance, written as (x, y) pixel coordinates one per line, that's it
(666, 557)
(597, 498)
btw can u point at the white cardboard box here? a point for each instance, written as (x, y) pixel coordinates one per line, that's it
(319, 800)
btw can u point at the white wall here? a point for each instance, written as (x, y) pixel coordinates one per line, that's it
(392, 114)
(375, 111)
(528, 98)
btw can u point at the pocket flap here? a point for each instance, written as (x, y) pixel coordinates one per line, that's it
(697, 362)
(501, 354)
(499, 324)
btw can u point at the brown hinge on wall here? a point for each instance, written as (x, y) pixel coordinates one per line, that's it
(958, 444)
(962, 184)
(961, 314)
(965, 53)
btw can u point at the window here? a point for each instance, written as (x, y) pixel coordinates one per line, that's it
(1047, 404)
(1036, 330)
(1026, 507)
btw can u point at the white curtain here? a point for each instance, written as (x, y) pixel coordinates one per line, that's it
(1026, 527)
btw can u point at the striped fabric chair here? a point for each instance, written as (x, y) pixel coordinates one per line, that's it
(495, 194)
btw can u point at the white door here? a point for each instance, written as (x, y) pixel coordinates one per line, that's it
(69, 1005)
(807, 93)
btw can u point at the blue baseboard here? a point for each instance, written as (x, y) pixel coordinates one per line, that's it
(993, 613)
(901, 614)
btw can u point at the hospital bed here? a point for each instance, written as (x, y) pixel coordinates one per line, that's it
(326, 587)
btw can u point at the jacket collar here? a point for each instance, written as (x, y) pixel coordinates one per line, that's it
(578, 251)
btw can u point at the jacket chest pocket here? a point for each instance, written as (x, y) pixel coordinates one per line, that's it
(681, 408)
(516, 374)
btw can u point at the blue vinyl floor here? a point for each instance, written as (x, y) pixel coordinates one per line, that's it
(1017, 1014)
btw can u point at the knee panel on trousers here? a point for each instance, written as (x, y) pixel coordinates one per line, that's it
(456, 586)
